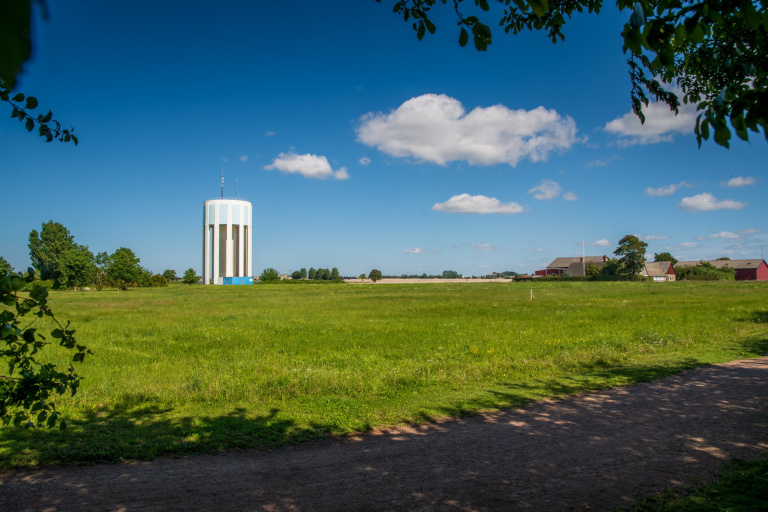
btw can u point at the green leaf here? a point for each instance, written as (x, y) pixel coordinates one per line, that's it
(463, 37)
(697, 34)
(30, 124)
(633, 41)
(484, 5)
(430, 26)
(539, 7)
(667, 57)
(31, 103)
(722, 135)
(18, 98)
(47, 117)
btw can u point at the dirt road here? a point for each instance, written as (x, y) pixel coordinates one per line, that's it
(601, 450)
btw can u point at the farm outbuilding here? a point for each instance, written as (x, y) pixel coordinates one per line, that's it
(659, 271)
(574, 266)
(746, 270)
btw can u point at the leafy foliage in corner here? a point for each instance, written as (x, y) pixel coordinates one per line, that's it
(47, 127)
(716, 51)
(16, 48)
(27, 388)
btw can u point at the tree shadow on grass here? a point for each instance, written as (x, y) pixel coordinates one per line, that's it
(135, 429)
(758, 316)
(585, 378)
(138, 426)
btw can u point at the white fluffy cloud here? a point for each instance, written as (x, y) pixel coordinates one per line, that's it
(548, 189)
(487, 247)
(570, 196)
(436, 128)
(661, 124)
(731, 235)
(309, 166)
(707, 202)
(667, 190)
(270, 133)
(413, 250)
(465, 203)
(603, 242)
(601, 162)
(365, 161)
(652, 237)
(740, 181)
(243, 158)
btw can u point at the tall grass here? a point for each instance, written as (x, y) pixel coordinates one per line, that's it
(189, 369)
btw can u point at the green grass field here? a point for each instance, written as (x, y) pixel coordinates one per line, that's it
(191, 369)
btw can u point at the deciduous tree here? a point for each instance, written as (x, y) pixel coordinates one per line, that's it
(591, 269)
(124, 267)
(665, 256)
(269, 275)
(190, 277)
(5, 267)
(612, 267)
(374, 275)
(170, 275)
(631, 252)
(77, 265)
(47, 247)
(101, 261)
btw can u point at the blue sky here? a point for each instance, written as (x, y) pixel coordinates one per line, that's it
(359, 146)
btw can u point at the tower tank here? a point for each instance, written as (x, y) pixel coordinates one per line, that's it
(227, 241)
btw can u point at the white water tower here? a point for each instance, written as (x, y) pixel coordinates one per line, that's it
(227, 241)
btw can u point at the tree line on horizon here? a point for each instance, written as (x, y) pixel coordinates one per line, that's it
(54, 254)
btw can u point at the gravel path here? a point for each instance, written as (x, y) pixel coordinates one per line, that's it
(598, 451)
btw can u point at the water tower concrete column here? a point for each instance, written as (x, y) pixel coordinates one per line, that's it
(227, 240)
